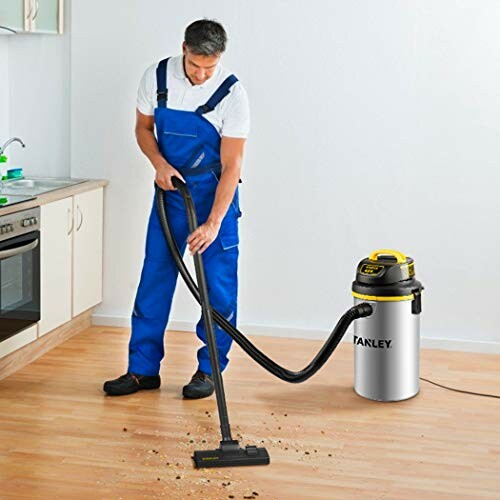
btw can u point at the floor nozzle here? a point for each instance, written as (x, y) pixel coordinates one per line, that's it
(230, 454)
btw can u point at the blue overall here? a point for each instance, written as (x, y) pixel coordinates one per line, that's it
(191, 144)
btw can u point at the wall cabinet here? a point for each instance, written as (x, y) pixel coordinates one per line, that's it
(31, 16)
(46, 16)
(71, 257)
(12, 16)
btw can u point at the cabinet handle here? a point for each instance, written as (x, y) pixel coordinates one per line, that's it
(81, 215)
(28, 9)
(36, 11)
(70, 217)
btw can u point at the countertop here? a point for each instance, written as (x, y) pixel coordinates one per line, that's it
(57, 194)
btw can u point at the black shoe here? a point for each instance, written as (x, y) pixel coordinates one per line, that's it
(130, 383)
(201, 386)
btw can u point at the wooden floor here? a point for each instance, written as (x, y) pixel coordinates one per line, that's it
(60, 437)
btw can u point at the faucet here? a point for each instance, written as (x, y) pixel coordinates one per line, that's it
(9, 142)
(2, 149)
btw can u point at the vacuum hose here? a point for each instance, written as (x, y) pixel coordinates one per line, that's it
(358, 311)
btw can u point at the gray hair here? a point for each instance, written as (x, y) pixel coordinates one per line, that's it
(205, 38)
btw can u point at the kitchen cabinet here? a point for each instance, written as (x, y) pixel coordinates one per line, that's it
(31, 16)
(87, 250)
(56, 246)
(47, 16)
(12, 16)
(71, 257)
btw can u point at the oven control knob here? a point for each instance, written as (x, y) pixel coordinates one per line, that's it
(34, 219)
(10, 227)
(2, 229)
(25, 222)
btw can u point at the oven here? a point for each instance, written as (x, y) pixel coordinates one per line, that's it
(19, 271)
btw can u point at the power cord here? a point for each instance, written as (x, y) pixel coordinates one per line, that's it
(460, 390)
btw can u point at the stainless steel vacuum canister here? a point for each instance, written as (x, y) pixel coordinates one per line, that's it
(387, 343)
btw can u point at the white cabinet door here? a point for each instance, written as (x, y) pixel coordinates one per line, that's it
(87, 250)
(47, 16)
(13, 16)
(56, 220)
(32, 16)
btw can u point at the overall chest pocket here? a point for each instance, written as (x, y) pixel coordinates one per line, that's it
(176, 128)
(180, 142)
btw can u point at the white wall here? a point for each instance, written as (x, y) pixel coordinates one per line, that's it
(374, 124)
(39, 103)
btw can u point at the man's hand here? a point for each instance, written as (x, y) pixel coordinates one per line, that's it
(200, 239)
(164, 174)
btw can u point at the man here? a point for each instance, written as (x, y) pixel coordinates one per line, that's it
(201, 116)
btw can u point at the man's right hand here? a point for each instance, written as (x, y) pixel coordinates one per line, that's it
(164, 174)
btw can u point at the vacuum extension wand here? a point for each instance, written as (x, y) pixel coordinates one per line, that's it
(229, 453)
(358, 311)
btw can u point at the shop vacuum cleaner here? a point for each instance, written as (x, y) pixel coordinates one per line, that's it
(387, 306)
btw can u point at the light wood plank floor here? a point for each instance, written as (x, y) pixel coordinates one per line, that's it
(61, 437)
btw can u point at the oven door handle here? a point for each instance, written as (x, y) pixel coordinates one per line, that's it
(16, 251)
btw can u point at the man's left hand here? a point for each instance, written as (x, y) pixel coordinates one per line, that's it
(200, 239)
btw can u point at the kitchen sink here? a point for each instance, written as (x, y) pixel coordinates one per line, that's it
(37, 185)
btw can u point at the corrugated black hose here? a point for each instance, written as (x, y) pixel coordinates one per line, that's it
(358, 311)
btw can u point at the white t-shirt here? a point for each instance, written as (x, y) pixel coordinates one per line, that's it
(231, 117)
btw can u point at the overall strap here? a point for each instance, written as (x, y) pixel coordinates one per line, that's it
(161, 83)
(218, 95)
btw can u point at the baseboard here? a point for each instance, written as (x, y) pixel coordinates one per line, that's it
(445, 344)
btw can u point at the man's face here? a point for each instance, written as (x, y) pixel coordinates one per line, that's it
(198, 68)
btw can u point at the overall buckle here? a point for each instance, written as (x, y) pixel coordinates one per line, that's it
(162, 95)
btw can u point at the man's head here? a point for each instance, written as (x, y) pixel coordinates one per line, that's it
(204, 43)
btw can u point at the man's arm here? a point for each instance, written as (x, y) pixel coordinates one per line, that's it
(231, 153)
(144, 133)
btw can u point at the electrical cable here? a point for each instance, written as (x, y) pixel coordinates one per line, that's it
(460, 390)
